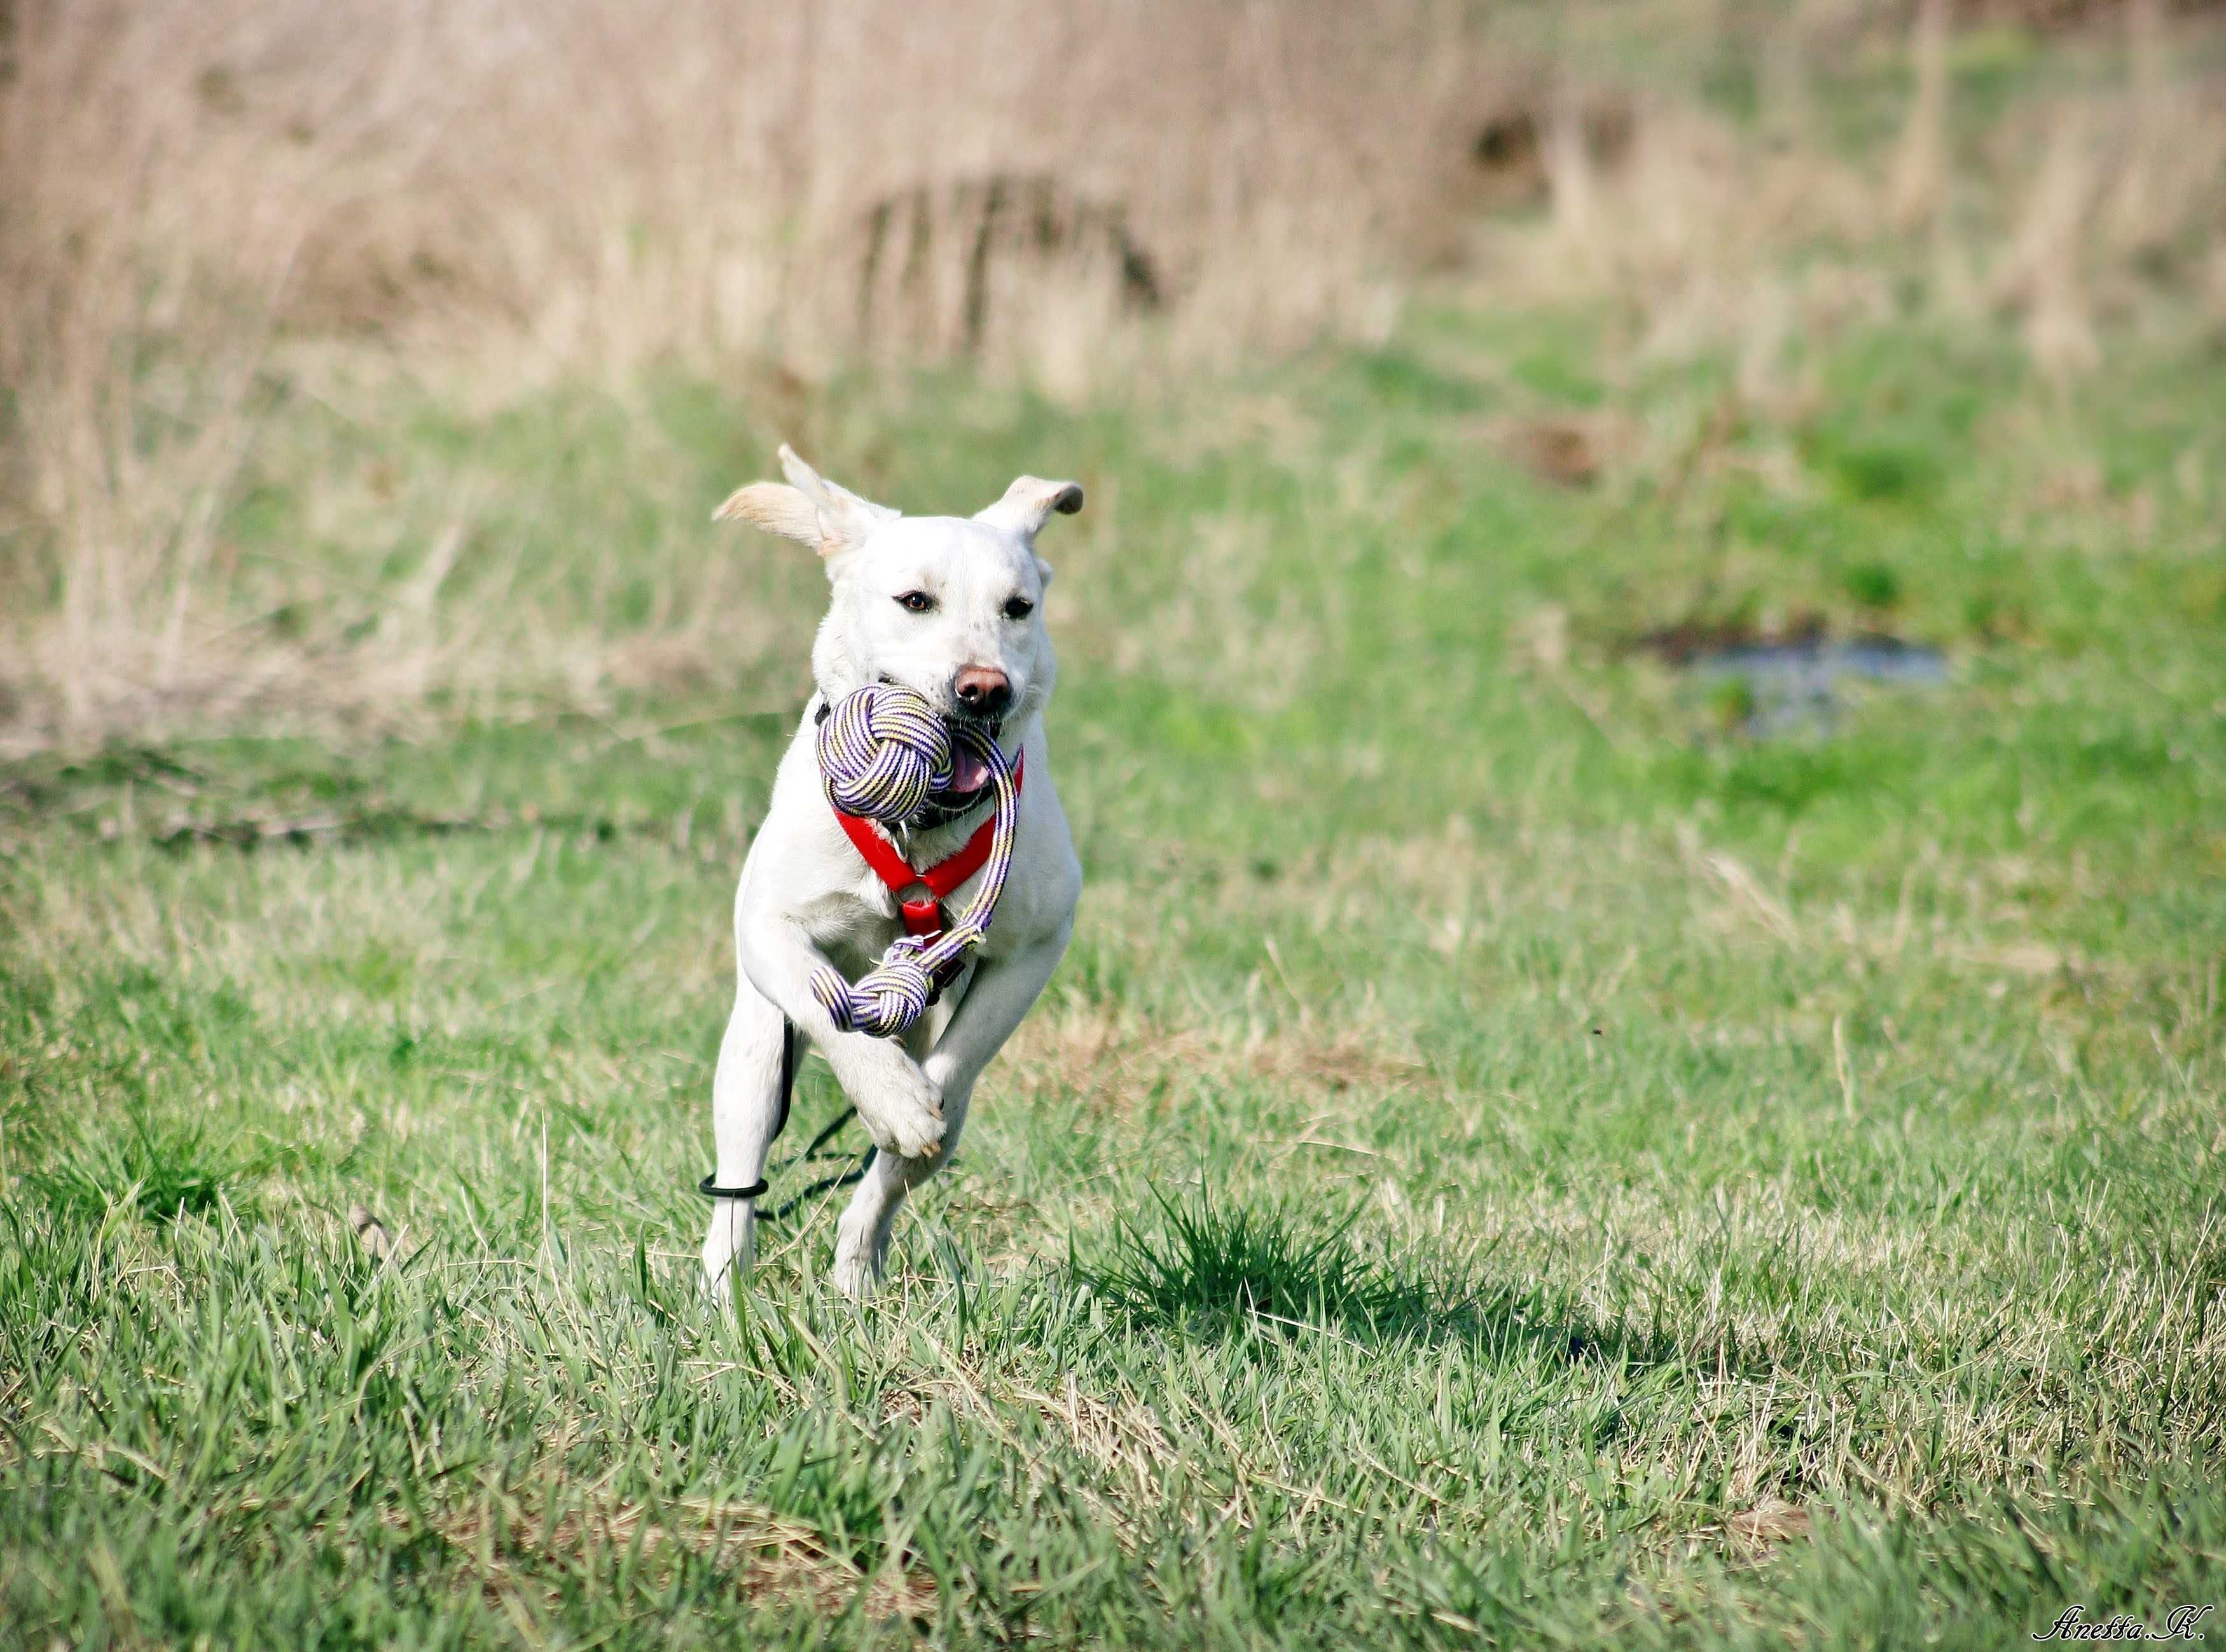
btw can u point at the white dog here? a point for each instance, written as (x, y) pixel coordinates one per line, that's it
(952, 608)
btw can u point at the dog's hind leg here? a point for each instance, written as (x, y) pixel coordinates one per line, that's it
(862, 1238)
(745, 1112)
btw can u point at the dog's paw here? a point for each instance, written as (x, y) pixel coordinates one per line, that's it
(854, 1276)
(727, 1249)
(904, 1128)
(905, 1116)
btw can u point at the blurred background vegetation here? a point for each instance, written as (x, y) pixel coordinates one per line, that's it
(315, 311)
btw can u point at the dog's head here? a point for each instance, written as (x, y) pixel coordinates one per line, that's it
(950, 606)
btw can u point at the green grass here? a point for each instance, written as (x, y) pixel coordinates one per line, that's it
(1508, 1158)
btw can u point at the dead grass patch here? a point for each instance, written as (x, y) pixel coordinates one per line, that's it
(1334, 1063)
(774, 1559)
(1118, 1065)
(1569, 450)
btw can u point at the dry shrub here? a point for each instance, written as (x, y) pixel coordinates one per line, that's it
(508, 192)
(2174, 142)
(2120, 185)
(1691, 229)
(1920, 170)
(1690, 224)
(2042, 271)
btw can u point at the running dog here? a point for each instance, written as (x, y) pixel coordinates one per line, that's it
(953, 608)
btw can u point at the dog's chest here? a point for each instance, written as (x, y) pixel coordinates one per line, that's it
(855, 921)
(854, 928)
(853, 924)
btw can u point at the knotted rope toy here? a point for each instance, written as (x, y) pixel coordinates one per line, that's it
(886, 754)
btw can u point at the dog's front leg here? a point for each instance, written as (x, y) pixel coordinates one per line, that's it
(899, 1108)
(996, 998)
(745, 1110)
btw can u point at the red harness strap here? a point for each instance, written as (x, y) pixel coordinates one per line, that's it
(922, 917)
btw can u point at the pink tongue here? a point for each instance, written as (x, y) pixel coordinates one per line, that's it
(968, 773)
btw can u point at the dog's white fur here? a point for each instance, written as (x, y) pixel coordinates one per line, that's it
(807, 898)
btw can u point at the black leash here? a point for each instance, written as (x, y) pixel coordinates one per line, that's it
(826, 1184)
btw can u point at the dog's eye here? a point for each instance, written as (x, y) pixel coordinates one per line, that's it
(1019, 608)
(916, 601)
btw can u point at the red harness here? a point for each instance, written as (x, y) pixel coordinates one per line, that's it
(923, 918)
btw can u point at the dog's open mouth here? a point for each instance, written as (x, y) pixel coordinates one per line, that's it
(968, 773)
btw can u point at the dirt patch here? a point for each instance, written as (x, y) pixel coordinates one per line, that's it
(1119, 1066)
(1567, 449)
(1336, 1064)
(1683, 642)
(1770, 1524)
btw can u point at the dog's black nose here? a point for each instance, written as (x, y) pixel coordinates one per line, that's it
(984, 690)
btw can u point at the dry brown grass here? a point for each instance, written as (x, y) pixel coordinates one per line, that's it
(1920, 170)
(501, 193)
(583, 190)
(1119, 1066)
(516, 1545)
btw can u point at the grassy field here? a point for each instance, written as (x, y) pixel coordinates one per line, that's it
(1510, 1157)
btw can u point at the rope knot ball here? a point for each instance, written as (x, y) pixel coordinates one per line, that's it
(886, 754)
(886, 1002)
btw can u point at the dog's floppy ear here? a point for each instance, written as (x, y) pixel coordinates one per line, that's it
(812, 512)
(1028, 504)
(775, 508)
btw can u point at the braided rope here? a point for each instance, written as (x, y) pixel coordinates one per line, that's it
(884, 754)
